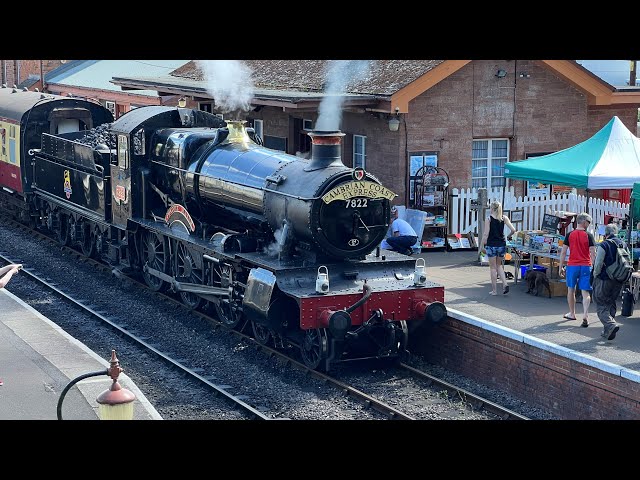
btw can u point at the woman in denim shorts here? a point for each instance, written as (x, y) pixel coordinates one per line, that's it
(495, 245)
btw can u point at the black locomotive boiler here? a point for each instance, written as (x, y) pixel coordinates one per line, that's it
(200, 207)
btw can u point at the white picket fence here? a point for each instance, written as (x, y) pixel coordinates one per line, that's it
(463, 220)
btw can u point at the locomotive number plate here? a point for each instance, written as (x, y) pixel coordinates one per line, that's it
(358, 189)
(357, 203)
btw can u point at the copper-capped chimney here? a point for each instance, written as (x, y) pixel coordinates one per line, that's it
(326, 147)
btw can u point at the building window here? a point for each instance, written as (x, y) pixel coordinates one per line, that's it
(206, 107)
(487, 162)
(275, 143)
(219, 115)
(258, 127)
(307, 124)
(111, 106)
(420, 163)
(359, 151)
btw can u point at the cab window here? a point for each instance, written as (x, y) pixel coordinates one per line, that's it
(123, 151)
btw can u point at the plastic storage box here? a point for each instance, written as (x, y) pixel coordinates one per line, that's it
(525, 268)
(416, 218)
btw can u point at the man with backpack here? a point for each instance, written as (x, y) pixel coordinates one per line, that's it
(611, 271)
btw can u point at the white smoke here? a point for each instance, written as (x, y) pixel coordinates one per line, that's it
(229, 82)
(340, 75)
(274, 248)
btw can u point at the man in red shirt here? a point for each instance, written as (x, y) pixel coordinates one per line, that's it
(578, 270)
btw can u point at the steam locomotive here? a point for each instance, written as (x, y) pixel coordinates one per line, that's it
(198, 206)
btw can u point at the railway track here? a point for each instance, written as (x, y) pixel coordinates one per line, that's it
(220, 389)
(476, 401)
(369, 401)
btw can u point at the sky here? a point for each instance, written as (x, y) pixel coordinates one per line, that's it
(614, 72)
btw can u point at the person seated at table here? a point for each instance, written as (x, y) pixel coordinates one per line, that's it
(496, 244)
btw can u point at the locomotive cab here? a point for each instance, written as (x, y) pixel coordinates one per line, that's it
(129, 169)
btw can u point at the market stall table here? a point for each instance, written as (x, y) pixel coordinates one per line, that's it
(518, 252)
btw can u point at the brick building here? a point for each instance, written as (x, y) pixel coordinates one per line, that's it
(473, 115)
(91, 79)
(26, 73)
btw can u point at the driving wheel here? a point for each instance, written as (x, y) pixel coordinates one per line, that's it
(154, 255)
(187, 269)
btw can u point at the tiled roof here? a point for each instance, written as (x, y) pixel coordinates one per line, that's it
(385, 77)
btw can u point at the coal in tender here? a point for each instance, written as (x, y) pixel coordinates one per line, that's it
(99, 135)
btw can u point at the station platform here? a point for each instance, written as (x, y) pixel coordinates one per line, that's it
(467, 286)
(37, 361)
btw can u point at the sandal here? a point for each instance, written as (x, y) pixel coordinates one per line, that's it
(506, 290)
(585, 323)
(567, 317)
(493, 293)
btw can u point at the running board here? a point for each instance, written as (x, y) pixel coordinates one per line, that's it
(203, 290)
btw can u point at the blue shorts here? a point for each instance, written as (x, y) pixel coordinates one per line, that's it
(495, 251)
(579, 275)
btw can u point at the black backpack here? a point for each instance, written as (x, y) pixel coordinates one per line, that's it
(621, 268)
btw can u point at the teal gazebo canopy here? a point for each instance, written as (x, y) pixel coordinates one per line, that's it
(609, 159)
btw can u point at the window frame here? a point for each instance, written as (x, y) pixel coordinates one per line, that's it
(363, 154)
(205, 104)
(304, 123)
(123, 151)
(260, 122)
(112, 109)
(489, 177)
(267, 139)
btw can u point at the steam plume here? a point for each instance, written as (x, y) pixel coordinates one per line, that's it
(340, 75)
(229, 82)
(274, 248)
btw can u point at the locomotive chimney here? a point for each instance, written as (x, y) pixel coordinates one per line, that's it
(325, 150)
